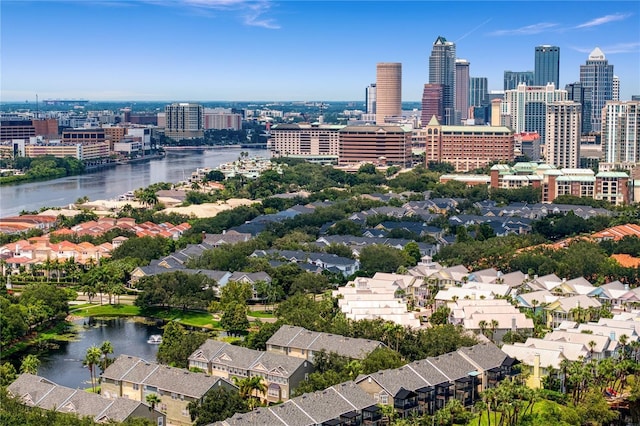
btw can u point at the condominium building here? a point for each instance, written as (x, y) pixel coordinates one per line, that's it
(388, 91)
(547, 65)
(462, 88)
(314, 142)
(184, 121)
(563, 131)
(442, 70)
(375, 144)
(597, 76)
(525, 108)
(615, 94)
(621, 133)
(468, 147)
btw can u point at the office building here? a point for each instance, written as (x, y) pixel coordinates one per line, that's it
(597, 75)
(513, 78)
(578, 93)
(222, 119)
(525, 108)
(85, 136)
(467, 147)
(478, 91)
(370, 99)
(442, 70)
(313, 142)
(388, 91)
(563, 132)
(462, 88)
(547, 66)
(385, 145)
(615, 95)
(184, 121)
(432, 103)
(621, 133)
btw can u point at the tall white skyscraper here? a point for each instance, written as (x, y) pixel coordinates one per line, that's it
(615, 95)
(370, 99)
(621, 132)
(562, 134)
(597, 76)
(442, 70)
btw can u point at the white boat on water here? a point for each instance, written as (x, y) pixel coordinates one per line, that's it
(155, 339)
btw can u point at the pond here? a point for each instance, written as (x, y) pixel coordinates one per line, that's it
(63, 365)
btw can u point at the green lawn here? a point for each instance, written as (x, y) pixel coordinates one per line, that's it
(260, 314)
(190, 318)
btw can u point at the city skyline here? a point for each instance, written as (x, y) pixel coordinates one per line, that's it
(234, 50)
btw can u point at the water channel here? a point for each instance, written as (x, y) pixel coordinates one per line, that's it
(109, 183)
(63, 365)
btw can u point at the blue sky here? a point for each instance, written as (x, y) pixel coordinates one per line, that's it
(235, 50)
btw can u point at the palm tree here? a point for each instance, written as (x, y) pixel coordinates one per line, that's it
(483, 327)
(152, 399)
(91, 359)
(106, 348)
(30, 364)
(494, 326)
(623, 339)
(257, 387)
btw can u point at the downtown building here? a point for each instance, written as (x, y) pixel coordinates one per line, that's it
(432, 105)
(621, 135)
(547, 66)
(184, 121)
(467, 147)
(524, 109)
(578, 93)
(462, 88)
(388, 92)
(597, 76)
(513, 78)
(442, 70)
(222, 119)
(479, 104)
(317, 143)
(563, 130)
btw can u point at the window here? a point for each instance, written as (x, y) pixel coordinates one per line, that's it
(384, 398)
(136, 386)
(185, 413)
(174, 395)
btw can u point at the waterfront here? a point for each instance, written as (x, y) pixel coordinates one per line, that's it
(111, 182)
(63, 365)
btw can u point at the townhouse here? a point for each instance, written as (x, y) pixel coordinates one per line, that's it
(36, 391)
(281, 374)
(134, 378)
(301, 343)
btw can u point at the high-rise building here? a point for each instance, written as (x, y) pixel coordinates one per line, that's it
(478, 91)
(432, 103)
(563, 132)
(462, 88)
(597, 75)
(222, 119)
(370, 99)
(442, 70)
(184, 121)
(388, 91)
(578, 93)
(313, 142)
(513, 78)
(615, 94)
(547, 65)
(525, 108)
(621, 132)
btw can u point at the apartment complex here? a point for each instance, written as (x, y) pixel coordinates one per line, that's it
(621, 134)
(184, 121)
(389, 145)
(467, 147)
(314, 142)
(563, 130)
(222, 119)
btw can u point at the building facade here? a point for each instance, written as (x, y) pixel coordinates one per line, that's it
(442, 70)
(513, 78)
(578, 93)
(375, 144)
(370, 99)
(621, 133)
(467, 147)
(462, 88)
(314, 142)
(547, 66)
(222, 119)
(184, 121)
(563, 130)
(597, 76)
(615, 94)
(388, 91)
(432, 105)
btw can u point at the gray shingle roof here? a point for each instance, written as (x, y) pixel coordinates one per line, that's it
(394, 379)
(485, 355)
(429, 372)
(292, 414)
(453, 365)
(323, 405)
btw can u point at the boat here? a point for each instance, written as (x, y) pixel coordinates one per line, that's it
(155, 339)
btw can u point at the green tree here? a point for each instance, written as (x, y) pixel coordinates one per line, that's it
(91, 360)
(177, 344)
(152, 399)
(380, 258)
(105, 349)
(234, 318)
(30, 364)
(218, 404)
(7, 374)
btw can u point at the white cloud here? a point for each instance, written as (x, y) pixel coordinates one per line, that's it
(632, 47)
(526, 30)
(603, 20)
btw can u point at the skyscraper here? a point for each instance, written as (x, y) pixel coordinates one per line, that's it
(597, 75)
(547, 66)
(184, 121)
(432, 103)
(615, 94)
(442, 70)
(478, 91)
(563, 134)
(577, 93)
(370, 99)
(462, 88)
(388, 91)
(513, 78)
(621, 132)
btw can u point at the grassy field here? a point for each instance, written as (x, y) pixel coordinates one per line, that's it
(260, 314)
(190, 318)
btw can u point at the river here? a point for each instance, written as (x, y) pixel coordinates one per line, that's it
(109, 183)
